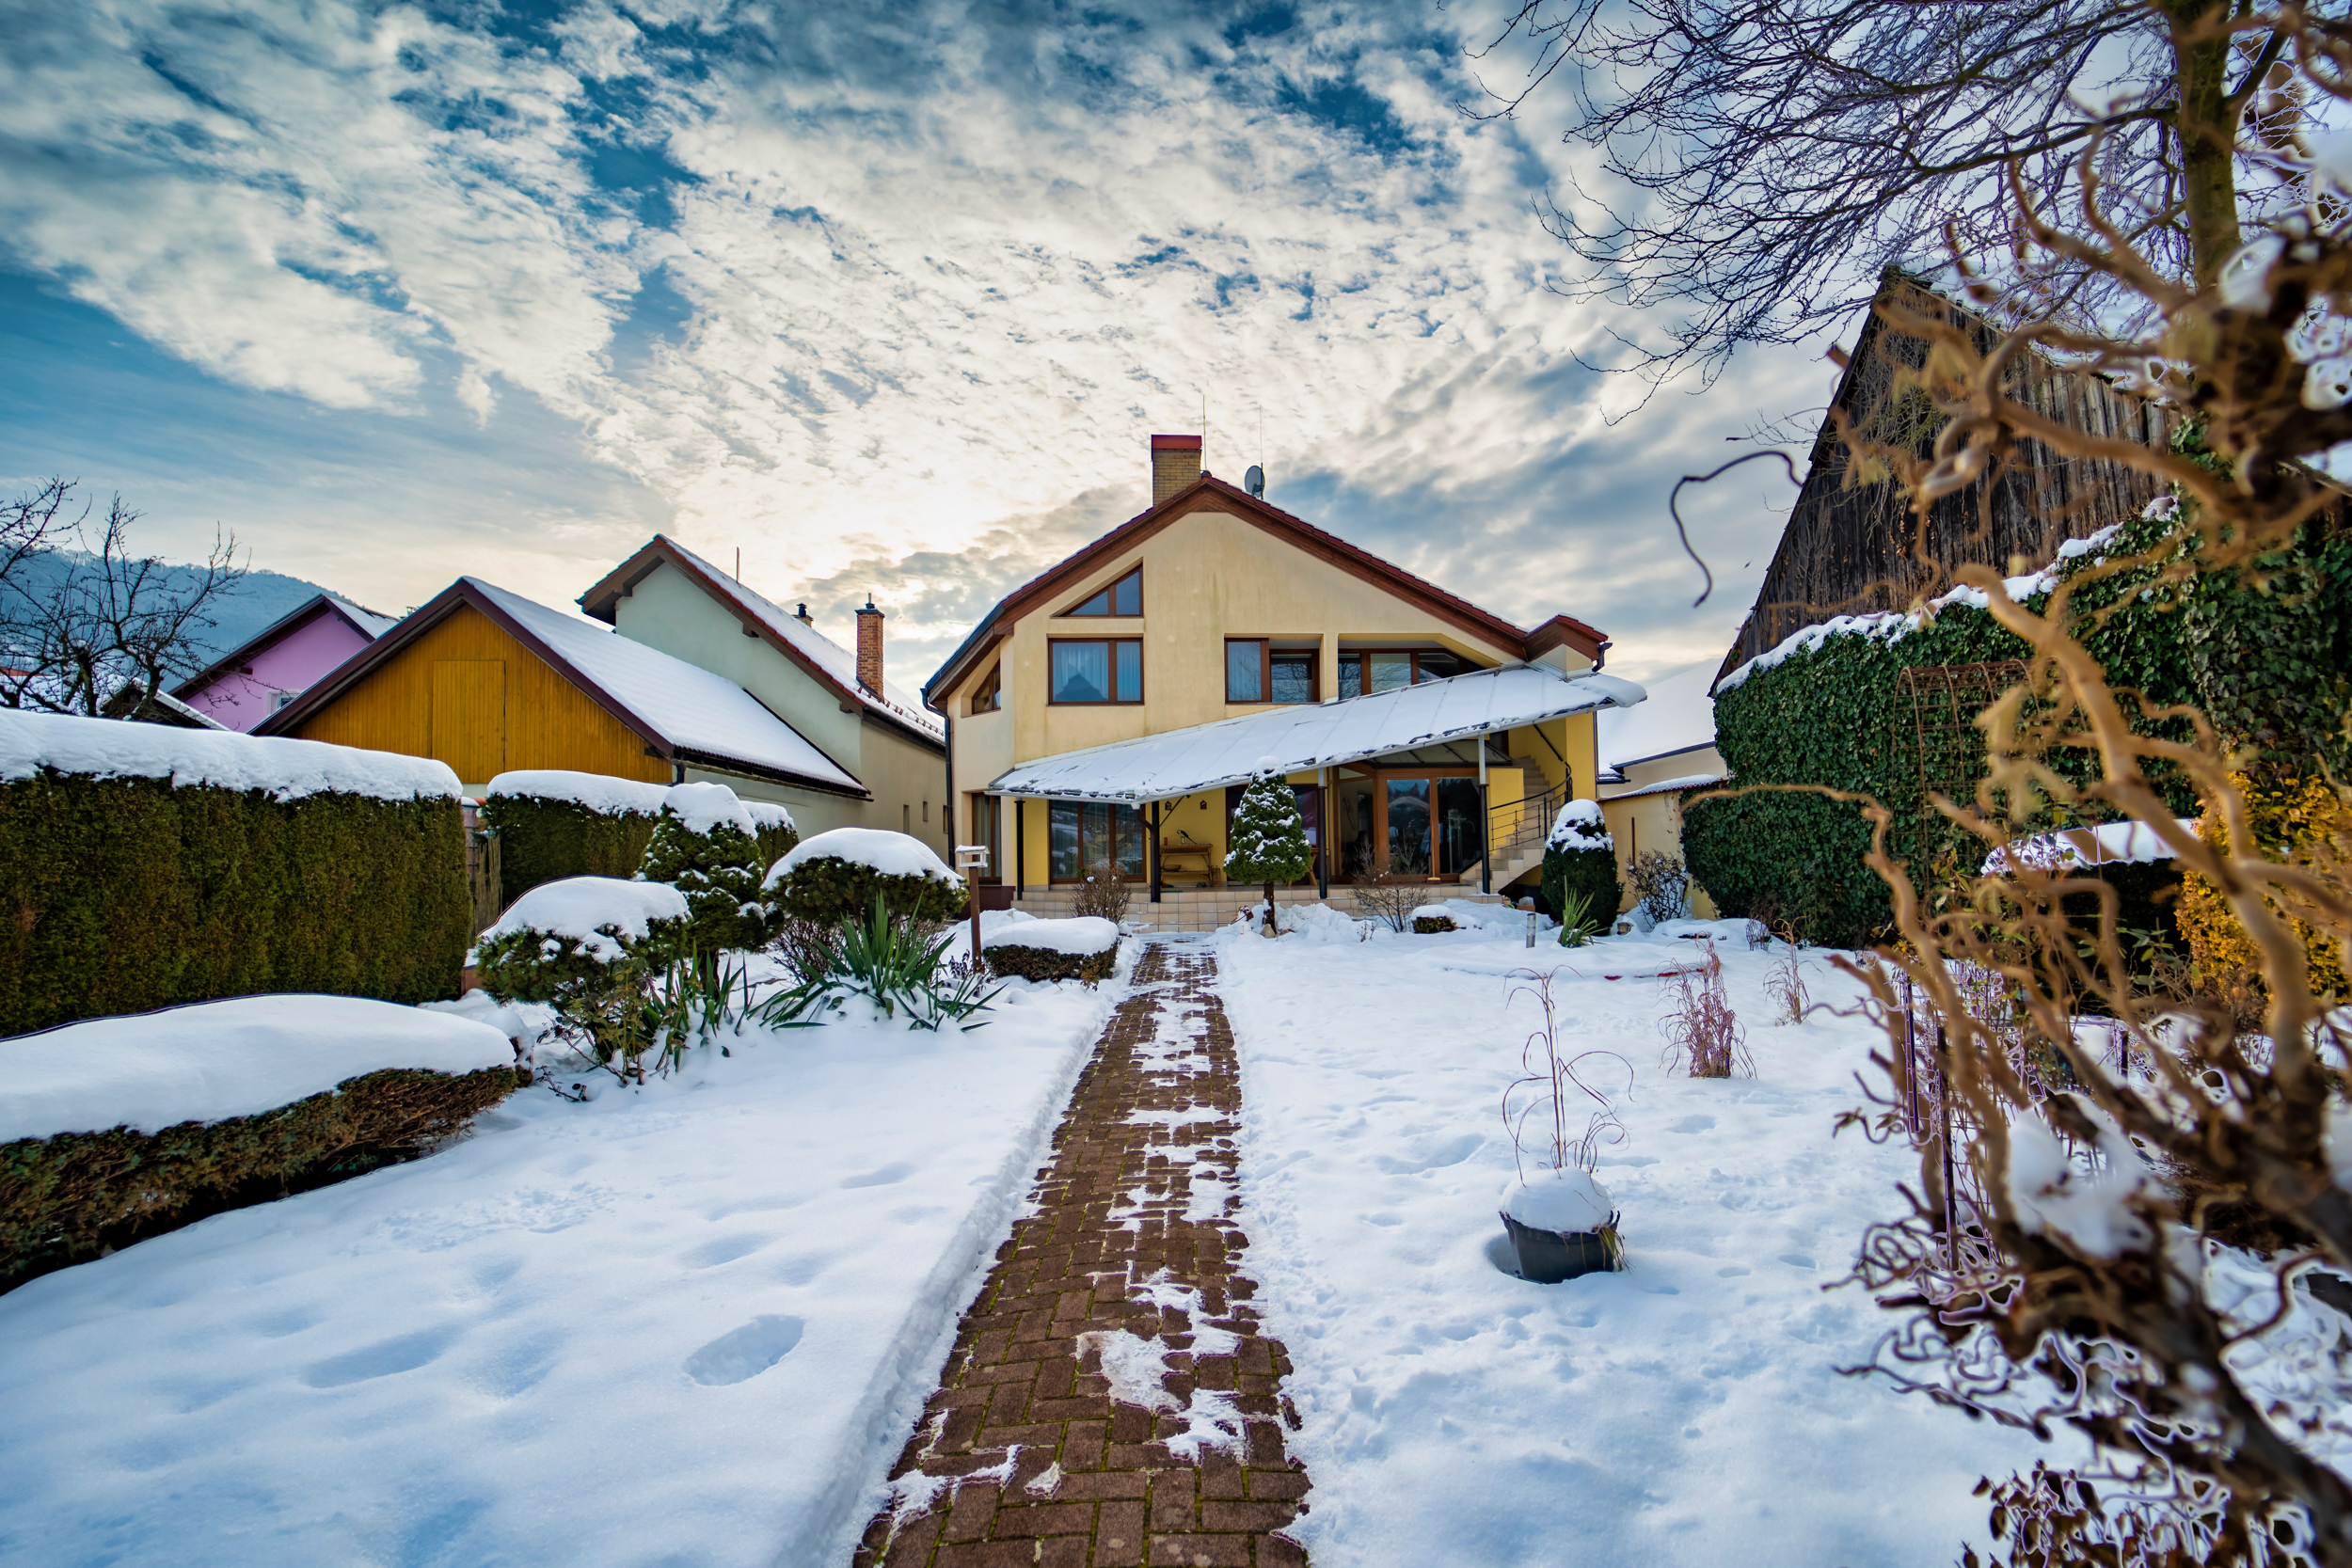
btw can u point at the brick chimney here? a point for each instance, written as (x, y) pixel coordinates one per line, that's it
(1175, 463)
(869, 663)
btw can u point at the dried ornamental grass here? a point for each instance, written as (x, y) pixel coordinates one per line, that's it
(1700, 1027)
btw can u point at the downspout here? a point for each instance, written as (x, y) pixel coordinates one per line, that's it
(949, 720)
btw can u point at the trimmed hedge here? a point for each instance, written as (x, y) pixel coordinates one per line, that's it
(546, 839)
(1008, 961)
(828, 890)
(1430, 925)
(79, 1195)
(718, 873)
(122, 896)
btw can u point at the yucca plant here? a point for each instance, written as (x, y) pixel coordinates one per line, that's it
(1576, 924)
(894, 964)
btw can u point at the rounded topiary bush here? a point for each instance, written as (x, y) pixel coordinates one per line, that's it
(564, 940)
(706, 843)
(1581, 861)
(836, 875)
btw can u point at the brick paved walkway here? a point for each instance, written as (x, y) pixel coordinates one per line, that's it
(1109, 1400)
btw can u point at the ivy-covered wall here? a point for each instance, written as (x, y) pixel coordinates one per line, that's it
(125, 894)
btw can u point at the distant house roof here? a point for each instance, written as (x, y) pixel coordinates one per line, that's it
(827, 661)
(367, 622)
(1680, 717)
(133, 702)
(685, 713)
(1294, 739)
(1211, 493)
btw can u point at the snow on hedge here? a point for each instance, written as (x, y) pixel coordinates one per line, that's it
(599, 792)
(701, 807)
(31, 743)
(214, 1060)
(766, 814)
(1086, 934)
(892, 854)
(576, 907)
(1579, 826)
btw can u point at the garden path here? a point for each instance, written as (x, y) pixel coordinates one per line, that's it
(1110, 1400)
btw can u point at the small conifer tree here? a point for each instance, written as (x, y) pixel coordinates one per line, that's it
(1269, 841)
(706, 846)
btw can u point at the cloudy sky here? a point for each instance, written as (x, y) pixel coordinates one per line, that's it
(886, 297)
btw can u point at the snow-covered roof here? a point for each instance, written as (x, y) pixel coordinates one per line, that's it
(366, 620)
(1292, 739)
(1668, 787)
(1678, 716)
(286, 769)
(836, 663)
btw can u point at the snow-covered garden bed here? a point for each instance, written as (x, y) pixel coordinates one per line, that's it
(1687, 1410)
(687, 1322)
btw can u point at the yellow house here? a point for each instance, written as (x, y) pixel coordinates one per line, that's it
(1652, 758)
(490, 682)
(1111, 709)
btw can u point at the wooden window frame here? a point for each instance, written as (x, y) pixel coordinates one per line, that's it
(988, 697)
(1113, 700)
(1467, 665)
(1109, 590)
(1266, 650)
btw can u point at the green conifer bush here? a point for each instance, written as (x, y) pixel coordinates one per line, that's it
(706, 843)
(1579, 878)
(836, 877)
(1268, 844)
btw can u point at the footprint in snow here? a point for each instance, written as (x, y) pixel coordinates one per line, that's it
(889, 1174)
(744, 1353)
(404, 1353)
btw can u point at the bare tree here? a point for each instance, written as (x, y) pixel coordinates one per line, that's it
(113, 620)
(1761, 159)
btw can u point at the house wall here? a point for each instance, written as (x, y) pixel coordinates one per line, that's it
(1640, 823)
(291, 664)
(465, 693)
(668, 610)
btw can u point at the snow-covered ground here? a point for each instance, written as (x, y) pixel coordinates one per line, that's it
(691, 1323)
(1687, 1410)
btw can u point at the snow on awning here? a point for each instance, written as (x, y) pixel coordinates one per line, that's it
(1292, 739)
(2108, 843)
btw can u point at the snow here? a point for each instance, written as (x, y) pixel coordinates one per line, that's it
(1668, 787)
(2092, 1208)
(704, 807)
(1678, 716)
(892, 854)
(1579, 826)
(693, 709)
(599, 792)
(1687, 1410)
(690, 1325)
(1302, 737)
(1087, 934)
(1566, 1201)
(2108, 843)
(214, 1060)
(576, 907)
(767, 815)
(285, 769)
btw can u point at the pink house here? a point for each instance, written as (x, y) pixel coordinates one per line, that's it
(266, 675)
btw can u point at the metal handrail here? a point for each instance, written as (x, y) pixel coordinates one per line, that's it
(1514, 824)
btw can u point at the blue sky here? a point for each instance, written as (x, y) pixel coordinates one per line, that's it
(886, 301)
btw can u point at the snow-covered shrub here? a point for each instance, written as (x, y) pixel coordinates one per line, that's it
(706, 843)
(1268, 843)
(1580, 875)
(119, 1129)
(149, 866)
(836, 877)
(1086, 948)
(552, 823)
(1429, 919)
(1390, 902)
(595, 948)
(891, 963)
(1104, 894)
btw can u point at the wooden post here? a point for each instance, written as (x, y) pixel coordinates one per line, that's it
(972, 858)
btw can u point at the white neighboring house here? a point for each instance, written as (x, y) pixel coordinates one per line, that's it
(1651, 757)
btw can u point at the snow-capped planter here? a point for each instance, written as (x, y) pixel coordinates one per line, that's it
(835, 876)
(1562, 1224)
(1086, 948)
(1432, 918)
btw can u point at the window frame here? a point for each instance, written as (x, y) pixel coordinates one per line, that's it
(1266, 652)
(1108, 592)
(988, 695)
(1054, 700)
(1463, 664)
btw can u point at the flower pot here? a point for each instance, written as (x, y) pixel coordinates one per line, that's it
(1548, 1257)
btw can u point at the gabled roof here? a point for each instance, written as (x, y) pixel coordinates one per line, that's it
(1678, 716)
(826, 661)
(1210, 494)
(1296, 737)
(685, 713)
(367, 622)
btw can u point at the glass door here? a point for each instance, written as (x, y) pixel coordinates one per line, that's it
(1408, 846)
(1461, 823)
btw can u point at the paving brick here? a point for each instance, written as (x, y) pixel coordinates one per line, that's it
(1201, 1551)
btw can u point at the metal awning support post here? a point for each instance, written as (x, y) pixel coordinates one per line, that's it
(1485, 825)
(1323, 834)
(1155, 851)
(1020, 850)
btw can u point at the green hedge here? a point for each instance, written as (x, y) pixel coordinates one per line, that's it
(546, 839)
(78, 1195)
(1570, 871)
(828, 890)
(126, 894)
(1008, 960)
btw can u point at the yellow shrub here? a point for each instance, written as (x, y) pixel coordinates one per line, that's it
(2297, 823)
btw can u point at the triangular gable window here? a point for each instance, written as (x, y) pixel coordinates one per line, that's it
(1123, 597)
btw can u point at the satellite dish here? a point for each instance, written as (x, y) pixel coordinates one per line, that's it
(1254, 480)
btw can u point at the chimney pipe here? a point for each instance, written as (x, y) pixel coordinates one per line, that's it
(1175, 464)
(802, 615)
(869, 647)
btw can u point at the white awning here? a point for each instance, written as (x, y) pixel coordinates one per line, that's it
(1293, 740)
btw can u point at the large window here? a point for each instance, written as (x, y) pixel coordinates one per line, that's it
(1388, 670)
(1082, 835)
(1100, 670)
(986, 834)
(1258, 672)
(1123, 597)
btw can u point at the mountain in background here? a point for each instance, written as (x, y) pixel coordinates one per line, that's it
(241, 614)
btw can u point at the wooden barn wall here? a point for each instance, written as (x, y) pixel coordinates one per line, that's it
(1848, 548)
(499, 706)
